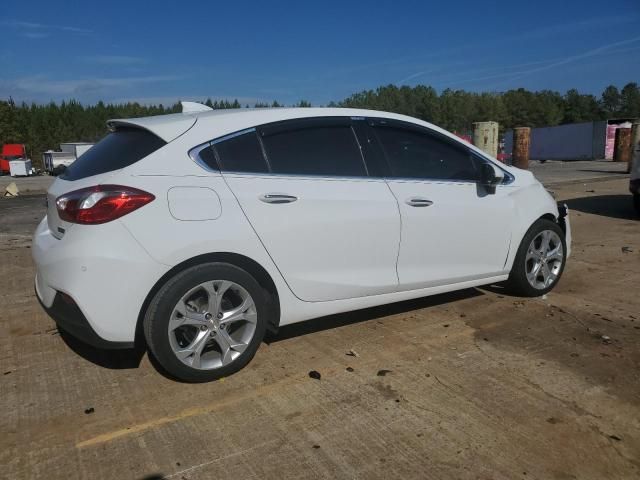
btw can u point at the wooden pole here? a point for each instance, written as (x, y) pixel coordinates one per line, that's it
(521, 142)
(622, 148)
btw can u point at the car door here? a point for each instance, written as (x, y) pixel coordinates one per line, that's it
(452, 229)
(332, 231)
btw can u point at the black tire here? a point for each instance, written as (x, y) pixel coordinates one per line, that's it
(156, 320)
(636, 202)
(517, 282)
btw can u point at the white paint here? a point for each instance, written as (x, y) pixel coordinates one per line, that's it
(332, 250)
(338, 240)
(194, 203)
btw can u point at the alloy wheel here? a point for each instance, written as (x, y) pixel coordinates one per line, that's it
(544, 259)
(212, 324)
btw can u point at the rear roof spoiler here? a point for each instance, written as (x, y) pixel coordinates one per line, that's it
(194, 107)
(167, 127)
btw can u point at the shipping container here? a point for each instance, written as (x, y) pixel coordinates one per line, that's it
(574, 141)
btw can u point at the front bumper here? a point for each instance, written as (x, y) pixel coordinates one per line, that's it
(106, 274)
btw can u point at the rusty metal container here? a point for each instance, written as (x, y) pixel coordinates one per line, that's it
(622, 149)
(521, 144)
(485, 137)
(635, 145)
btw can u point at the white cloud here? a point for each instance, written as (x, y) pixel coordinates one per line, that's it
(40, 86)
(32, 28)
(555, 30)
(114, 59)
(171, 99)
(34, 35)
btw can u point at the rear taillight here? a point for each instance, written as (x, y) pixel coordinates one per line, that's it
(100, 204)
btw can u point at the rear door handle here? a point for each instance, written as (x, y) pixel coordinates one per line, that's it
(277, 198)
(418, 202)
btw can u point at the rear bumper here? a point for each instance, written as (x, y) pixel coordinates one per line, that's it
(70, 319)
(106, 273)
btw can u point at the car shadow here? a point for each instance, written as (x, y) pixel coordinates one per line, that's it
(113, 359)
(608, 172)
(614, 206)
(349, 318)
(131, 358)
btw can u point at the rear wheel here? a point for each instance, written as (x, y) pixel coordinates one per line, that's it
(636, 202)
(540, 260)
(207, 322)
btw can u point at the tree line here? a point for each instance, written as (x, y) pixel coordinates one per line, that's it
(44, 126)
(457, 110)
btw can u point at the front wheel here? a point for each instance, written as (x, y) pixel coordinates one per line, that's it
(206, 322)
(540, 260)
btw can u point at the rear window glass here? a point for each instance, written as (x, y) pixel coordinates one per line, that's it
(315, 151)
(117, 150)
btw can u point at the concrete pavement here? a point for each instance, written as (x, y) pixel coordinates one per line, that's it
(472, 385)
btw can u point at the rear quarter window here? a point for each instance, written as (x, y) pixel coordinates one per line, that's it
(117, 150)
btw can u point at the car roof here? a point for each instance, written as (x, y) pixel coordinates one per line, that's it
(222, 121)
(199, 127)
(208, 124)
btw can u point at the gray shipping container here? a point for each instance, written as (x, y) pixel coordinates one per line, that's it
(575, 141)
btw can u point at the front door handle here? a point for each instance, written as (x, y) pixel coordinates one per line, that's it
(277, 198)
(418, 202)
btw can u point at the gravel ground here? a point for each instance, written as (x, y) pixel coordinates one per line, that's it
(471, 385)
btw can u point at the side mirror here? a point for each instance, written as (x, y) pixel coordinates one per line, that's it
(490, 176)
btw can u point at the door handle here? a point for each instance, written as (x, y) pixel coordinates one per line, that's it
(277, 198)
(418, 202)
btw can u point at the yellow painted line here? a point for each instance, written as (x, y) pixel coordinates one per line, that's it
(189, 412)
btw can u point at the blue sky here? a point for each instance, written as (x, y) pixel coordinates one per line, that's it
(157, 51)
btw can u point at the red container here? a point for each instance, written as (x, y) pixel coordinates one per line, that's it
(11, 151)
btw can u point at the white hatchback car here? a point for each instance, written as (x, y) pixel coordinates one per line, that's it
(199, 231)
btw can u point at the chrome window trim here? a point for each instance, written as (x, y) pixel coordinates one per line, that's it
(300, 176)
(233, 135)
(194, 154)
(294, 176)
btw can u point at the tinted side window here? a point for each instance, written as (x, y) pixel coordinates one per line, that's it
(241, 153)
(318, 150)
(117, 150)
(413, 154)
(208, 157)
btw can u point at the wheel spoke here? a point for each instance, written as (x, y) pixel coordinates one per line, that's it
(532, 255)
(215, 291)
(191, 354)
(183, 316)
(544, 246)
(240, 313)
(546, 275)
(533, 274)
(227, 346)
(555, 254)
